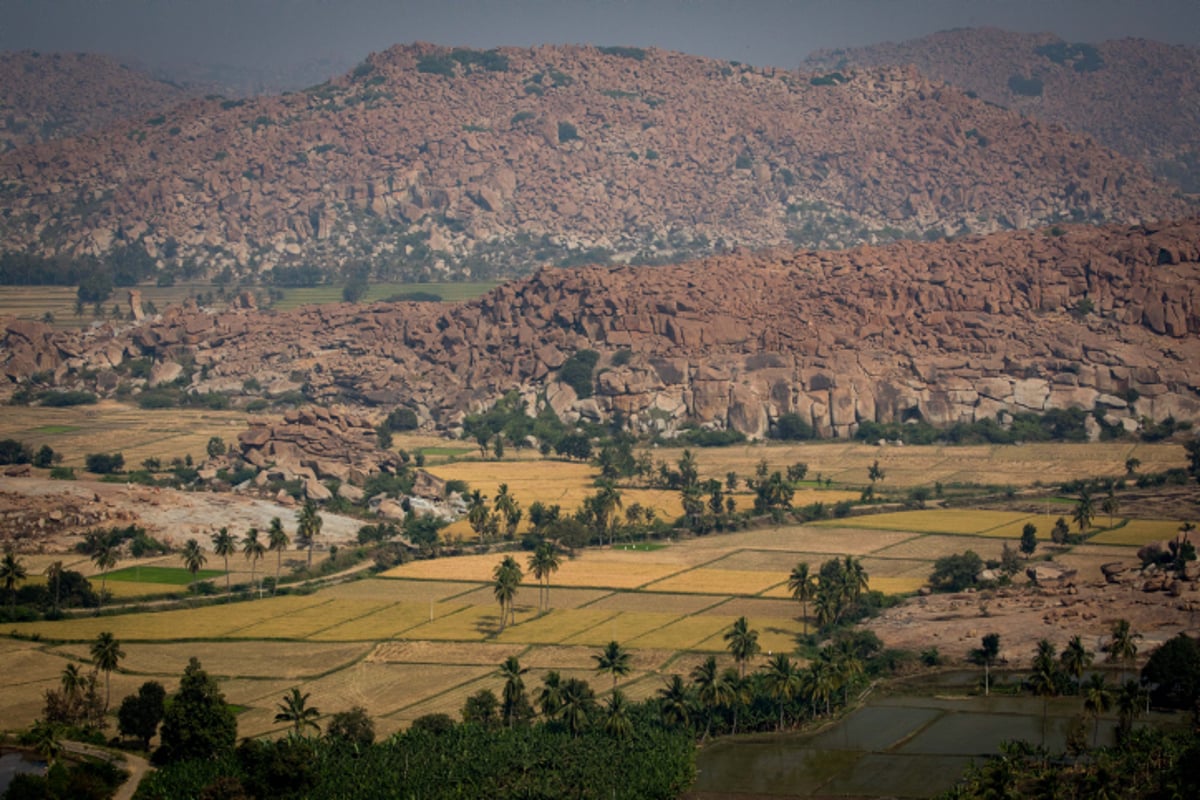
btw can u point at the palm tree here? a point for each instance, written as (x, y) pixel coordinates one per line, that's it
(507, 507)
(605, 502)
(54, 574)
(253, 549)
(106, 655)
(225, 545)
(46, 741)
(1121, 645)
(1044, 680)
(507, 577)
(549, 697)
(513, 699)
(12, 571)
(294, 710)
(987, 655)
(1097, 699)
(1130, 699)
(825, 606)
(783, 682)
(675, 702)
(308, 526)
(104, 553)
(742, 641)
(193, 557)
(1075, 659)
(578, 703)
(1111, 505)
(543, 563)
(614, 659)
(857, 580)
(737, 693)
(802, 585)
(617, 723)
(1084, 511)
(477, 513)
(819, 684)
(277, 540)
(712, 690)
(72, 682)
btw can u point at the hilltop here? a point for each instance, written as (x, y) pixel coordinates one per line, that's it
(1136, 96)
(425, 162)
(45, 96)
(1099, 319)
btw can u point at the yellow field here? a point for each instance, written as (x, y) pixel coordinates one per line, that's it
(936, 520)
(619, 569)
(285, 660)
(1137, 532)
(718, 581)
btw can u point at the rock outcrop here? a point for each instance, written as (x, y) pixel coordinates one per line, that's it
(426, 162)
(1103, 319)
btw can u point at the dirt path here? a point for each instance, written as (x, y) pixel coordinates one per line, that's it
(135, 765)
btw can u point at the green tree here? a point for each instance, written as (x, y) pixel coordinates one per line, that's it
(986, 656)
(12, 572)
(1028, 539)
(1097, 700)
(614, 660)
(295, 711)
(1044, 681)
(1085, 510)
(578, 704)
(605, 503)
(507, 506)
(1174, 671)
(353, 727)
(783, 682)
(477, 513)
(308, 526)
(1075, 659)
(224, 545)
(253, 549)
(675, 703)
(1121, 646)
(482, 709)
(54, 576)
(1131, 701)
(1131, 465)
(1110, 505)
(215, 447)
(104, 549)
(543, 563)
(506, 580)
(193, 557)
(106, 656)
(617, 722)
(197, 724)
(549, 696)
(139, 714)
(711, 692)
(514, 702)
(802, 585)
(742, 642)
(277, 540)
(1061, 532)
(875, 473)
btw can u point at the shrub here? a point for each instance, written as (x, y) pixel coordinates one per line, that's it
(436, 65)
(1027, 87)
(792, 427)
(57, 399)
(14, 452)
(402, 419)
(576, 371)
(956, 572)
(636, 53)
(567, 132)
(105, 463)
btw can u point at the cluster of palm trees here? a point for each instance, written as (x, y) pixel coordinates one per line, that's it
(486, 521)
(225, 544)
(834, 590)
(507, 576)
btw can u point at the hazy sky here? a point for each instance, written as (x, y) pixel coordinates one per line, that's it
(779, 33)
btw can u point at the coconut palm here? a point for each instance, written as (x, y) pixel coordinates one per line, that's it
(605, 503)
(295, 710)
(819, 684)
(224, 545)
(543, 563)
(507, 577)
(1075, 659)
(742, 641)
(615, 660)
(617, 723)
(1097, 699)
(72, 682)
(1085, 510)
(477, 513)
(193, 557)
(802, 585)
(987, 655)
(857, 580)
(1131, 698)
(106, 655)
(54, 574)
(507, 507)
(46, 741)
(277, 540)
(105, 552)
(675, 702)
(711, 690)
(513, 701)
(737, 693)
(578, 702)
(1121, 645)
(783, 682)
(1110, 505)
(253, 549)
(12, 571)
(549, 697)
(1044, 681)
(308, 526)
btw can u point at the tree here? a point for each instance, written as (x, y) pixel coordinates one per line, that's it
(1192, 448)
(193, 557)
(198, 724)
(509, 508)
(1044, 680)
(1111, 505)
(224, 545)
(675, 702)
(711, 691)
(253, 549)
(215, 447)
(605, 502)
(477, 513)
(1085, 510)
(277, 540)
(1121, 645)
(578, 705)
(104, 549)
(54, 575)
(615, 660)
(353, 727)
(295, 711)
(506, 579)
(617, 722)
(1174, 672)
(1061, 531)
(1028, 539)
(875, 473)
(1097, 700)
(549, 696)
(742, 642)
(139, 714)
(46, 740)
(1075, 659)
(308, 526)
(543, 563)
(954, 573)
(783, 682)
(986, 655)
(802, 585)
(12, 571)
(482, 708)
(514, 703)
(106, 656)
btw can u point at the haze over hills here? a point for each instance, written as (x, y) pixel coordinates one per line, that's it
(1097, 318)
(425, 163)
(1139, 97)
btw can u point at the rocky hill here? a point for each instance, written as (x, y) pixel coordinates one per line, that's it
(1094, 318)
(427, 162)
(1139, 97)
(46, 96)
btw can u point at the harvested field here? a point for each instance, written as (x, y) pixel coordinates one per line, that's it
(602, 568)
(387, 621)
(718, 581)
(674, 604)
(685, 633)
(461, 653)
(622, 627)
(555, 627)
(937, 520)
(305, 622)
(1137, 532)
(931, 547)
(471, 624)
(283, 660)
(850, 539)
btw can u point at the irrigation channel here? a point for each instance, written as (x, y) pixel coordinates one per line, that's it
(912, 742)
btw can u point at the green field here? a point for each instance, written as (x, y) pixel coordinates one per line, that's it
(174, 576)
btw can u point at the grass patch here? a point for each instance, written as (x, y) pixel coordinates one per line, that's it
(56, 429)
(175, 576)
(1136, 532)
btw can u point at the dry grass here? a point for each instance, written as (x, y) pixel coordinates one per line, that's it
(285, 660)
(601, 568)
(555, 627)
(962, 521)
(1137, 532)
(309, 621)
(931, 547)
(800, 539)
(718, 581)
(387, 621)
(674, 604)
(624, 626)
(682, 634)
(459, 653)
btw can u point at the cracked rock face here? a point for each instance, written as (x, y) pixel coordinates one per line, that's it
(962, 330)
